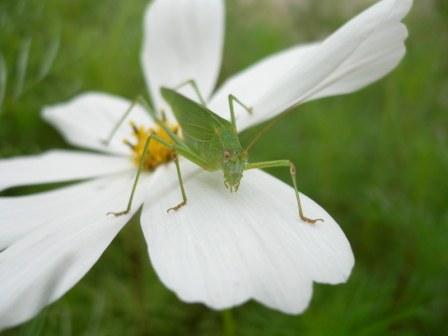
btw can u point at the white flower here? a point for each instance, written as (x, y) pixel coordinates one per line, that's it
(221, 249)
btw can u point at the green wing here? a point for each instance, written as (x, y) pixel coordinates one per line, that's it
(201, 128)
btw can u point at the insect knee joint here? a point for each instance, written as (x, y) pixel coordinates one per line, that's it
(292, 168)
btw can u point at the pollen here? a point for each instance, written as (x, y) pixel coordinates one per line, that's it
(157, 153)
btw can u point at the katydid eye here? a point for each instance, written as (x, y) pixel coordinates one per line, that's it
(226, 155)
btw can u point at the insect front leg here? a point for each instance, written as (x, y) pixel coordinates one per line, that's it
(194, 85)
(292, 171)
(232, 100)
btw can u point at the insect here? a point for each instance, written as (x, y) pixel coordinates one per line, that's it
(208, 140)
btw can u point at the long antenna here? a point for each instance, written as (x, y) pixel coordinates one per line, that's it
(274, 121)
(262, 132)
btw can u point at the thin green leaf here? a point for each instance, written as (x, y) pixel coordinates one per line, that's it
(22, 65)
(49, 58)
(3, 80)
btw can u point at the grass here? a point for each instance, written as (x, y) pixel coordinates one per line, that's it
(376, 160)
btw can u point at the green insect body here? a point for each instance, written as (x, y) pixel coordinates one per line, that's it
(209, 141)
(214, 139)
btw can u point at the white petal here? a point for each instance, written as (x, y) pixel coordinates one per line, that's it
(22, 214)
(254, 82)
(361, 52)
(58, 166)
(224, 248)
(183, 40)
(44, 264)
(87, 120)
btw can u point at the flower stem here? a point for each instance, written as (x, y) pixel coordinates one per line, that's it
(228, 323)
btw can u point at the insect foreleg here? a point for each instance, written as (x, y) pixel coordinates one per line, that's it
(292, 170)
(195, 87)
(232, 100)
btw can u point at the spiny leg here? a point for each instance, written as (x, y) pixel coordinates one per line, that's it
(292, 171)
(120, 121)
(134, 185)
(232, 100)
(139, 171)
(161, 122)
(181, 183)
(179, 144)
(138, 100)
(194, 85)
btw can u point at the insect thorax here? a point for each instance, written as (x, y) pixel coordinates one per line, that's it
(234, 162)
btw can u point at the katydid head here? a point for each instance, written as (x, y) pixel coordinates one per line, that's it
(234, 164)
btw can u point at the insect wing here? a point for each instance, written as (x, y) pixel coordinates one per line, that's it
(197, 122)
(200, 127)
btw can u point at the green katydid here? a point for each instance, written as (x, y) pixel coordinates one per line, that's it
(208, 140)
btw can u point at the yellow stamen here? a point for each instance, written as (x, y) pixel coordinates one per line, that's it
(157, 153)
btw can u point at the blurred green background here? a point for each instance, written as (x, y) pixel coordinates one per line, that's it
(377, 160)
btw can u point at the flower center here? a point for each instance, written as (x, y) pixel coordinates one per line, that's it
(157, 153)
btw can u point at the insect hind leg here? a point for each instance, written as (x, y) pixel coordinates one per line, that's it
(195, 87)
(114, 130)
(232, 100)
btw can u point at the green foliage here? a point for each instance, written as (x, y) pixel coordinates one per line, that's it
(376, 160)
